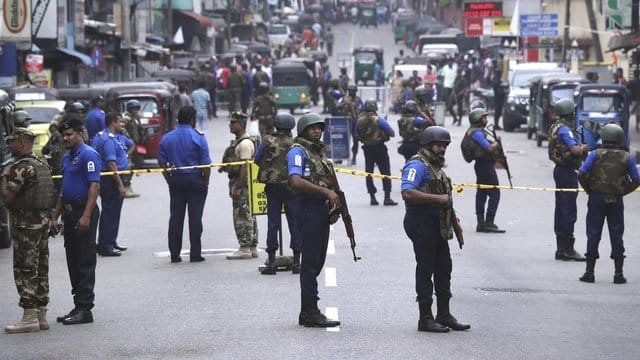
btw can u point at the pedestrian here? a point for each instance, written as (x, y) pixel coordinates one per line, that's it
(349, 106)
(235, 85)
(242, 148)
(271, 157)
(247, 88)
(456, 98)
(310, 178)
(607, 174)
(202, 103)
(421, 95)
(373, 131)
(185, 99)
(264, 109)
(77, 204)
(96, 117)
(112, 192)
(499, 92)
(567, 154)
(428, 222)
(28, 194)
(185, 146)
(448, 76)
(132, 128)
(477, 147)
(411, 127)
(329, 39)
(325, 85)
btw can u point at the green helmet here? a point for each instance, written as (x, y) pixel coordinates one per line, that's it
(352, 87)
(410, 106)
(612, 134)
(435, 134)
(307, 120)
(370, 105)
(564, 107)
(20, 118)
(476, 115)
(420, 91)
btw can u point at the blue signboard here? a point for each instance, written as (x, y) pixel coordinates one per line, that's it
(336, 137)
(539, 25)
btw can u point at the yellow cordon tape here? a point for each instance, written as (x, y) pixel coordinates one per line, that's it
(458, 188)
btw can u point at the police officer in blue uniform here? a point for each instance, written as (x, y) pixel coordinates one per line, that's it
(310, 178)
(185, 146)
(112, 192)
(607, 175)
(81, 168)
(96, 117)
(428, 222)
(567, 153)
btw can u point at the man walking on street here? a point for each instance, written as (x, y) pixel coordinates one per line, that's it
(96, 117)
(202, 103)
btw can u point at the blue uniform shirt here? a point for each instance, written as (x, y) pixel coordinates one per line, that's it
(95, 121)
(124, 140)
(296, 159)
(259, 153)
(382, 125)
(418, 122)
(590, 161)
(479, 137)
(414, 174)
(567, 136)
(184, 146)
(110, 148)
(79, 168)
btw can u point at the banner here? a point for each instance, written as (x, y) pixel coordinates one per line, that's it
(16, 20)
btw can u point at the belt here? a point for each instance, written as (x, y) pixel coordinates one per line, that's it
(75, 205)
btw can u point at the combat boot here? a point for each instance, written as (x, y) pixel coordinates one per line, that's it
(560, 244)
(271, 268)
(426, 321)
(29, 323)
(295, 268)
(388, 201)
(241, 254)
(42, 318)
(445, 318)
(353, 160)
(588, 275)
(129, 193)
(491, 227)
(254, 251)
(618, 277)
(570, 252)
(310, 316)
(373, 200)
(481, 227)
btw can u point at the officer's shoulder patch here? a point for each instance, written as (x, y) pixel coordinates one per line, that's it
(297, 160)
(199, 131)
(571, 134)
(112, 135)
(91, 166)
(99, 132)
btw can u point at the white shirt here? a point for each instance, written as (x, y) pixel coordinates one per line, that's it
(449, 75)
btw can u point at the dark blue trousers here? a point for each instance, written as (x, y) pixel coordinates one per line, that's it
(111, 210)
(432, 255)
(486, 174)
(277, 196)
(80, 249)
(314, 230)
(187, 191)
(408, 149)
(377, 155)
(566, 212)
(597, 211)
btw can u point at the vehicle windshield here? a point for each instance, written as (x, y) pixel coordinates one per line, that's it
(278, 30)
(148, 107)
(365, 57)
(42, 115)
(560, 93)
(293, 78)
(602, 103)
(521, 78)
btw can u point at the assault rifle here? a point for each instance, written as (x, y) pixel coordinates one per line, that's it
(343, 210)
(501, 156)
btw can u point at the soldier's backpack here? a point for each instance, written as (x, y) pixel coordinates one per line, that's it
(467, 148)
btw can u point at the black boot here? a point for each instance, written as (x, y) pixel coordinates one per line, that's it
(491, 227)
(618, 277)
(373, 199)
(588, 274)
(295, 268)
(481, 224)
(353, 160)
(445, 318)
(271, 268)
(560, 246)
(426, 321)
(310, 316)
(570, 252)
(387, 199)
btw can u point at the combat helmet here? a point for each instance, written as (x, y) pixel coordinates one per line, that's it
(435, 134)
(612, 134)
(410, 106)
(133, 104)
(76, 107)
(370, 105)
(475, 116)
(420, 91)
(284, 121)
(564, 107)
(352, 88)
(307, 120)
(20, 118)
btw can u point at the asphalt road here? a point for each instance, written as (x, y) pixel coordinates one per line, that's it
(521, 303)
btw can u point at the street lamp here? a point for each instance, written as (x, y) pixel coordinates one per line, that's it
(575, 53)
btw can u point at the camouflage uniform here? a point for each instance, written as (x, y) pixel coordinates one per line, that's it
(235, 85)
(264, 109)
(30, 179)
(410, 135)
(133, 130)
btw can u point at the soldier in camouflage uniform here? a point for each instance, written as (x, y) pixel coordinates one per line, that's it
(373, 131)
(272, 159)
(235, 83)
(54, 151)
(27, 190)
(349, 106)
(411, 126)
(133, 130)
(264, 109)
(608, 174)
(421, 94)
(241, 148)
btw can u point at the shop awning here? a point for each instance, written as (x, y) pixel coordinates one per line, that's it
(624, 42)
(203, 20)
(84, 58)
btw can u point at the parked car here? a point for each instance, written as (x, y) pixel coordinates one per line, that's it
(278, 34)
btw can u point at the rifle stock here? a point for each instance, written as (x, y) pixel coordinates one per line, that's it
(501, 155)
(346, 216)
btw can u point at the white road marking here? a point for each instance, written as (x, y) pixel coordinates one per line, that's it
(332, 313)
(330, 277)
(331, 248)
(163, 254)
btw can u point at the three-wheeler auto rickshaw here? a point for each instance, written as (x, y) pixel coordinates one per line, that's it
(365, 59)
(598, 105)
(291, 84)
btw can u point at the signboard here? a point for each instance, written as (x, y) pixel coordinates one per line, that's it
(257, 196)
(483, 9)
(501, 26)
(96, 57)
(44, 19)
(43, 78)
(34, 63)
(16, 20)
(336, 137)
(473, 27)
(539, 25)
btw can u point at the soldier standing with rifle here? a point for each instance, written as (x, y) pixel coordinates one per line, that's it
(349, 106)
(310, 178)
(264, 109)
(133, 130)
(428, 222)
(411, 126)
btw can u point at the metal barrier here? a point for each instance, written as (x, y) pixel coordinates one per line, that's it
(438, 112)
(380, 93)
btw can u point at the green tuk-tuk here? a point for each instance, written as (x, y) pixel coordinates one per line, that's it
(290, 79)
(367, 15)
(365, 59)
(404, 17)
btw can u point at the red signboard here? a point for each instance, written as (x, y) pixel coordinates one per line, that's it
(34, 63)
(473, 27)
(483, 9)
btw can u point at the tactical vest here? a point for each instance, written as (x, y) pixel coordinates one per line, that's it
(438, 184)
(409, 132)
(273, 166)
(229, 156)
(470, 148)
(41, 196)
(316, 169)
(369, 132)
(133, 129)
(265, 107)
(425, 113)
(559, 153)
(609, 173)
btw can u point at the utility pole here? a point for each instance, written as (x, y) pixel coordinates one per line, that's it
(125, 42)
(567, 22)
(169, 22)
